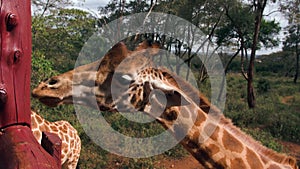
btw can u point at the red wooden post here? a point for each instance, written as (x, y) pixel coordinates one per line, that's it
(18, 147)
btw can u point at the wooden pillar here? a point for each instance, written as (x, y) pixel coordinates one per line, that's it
(18, 147)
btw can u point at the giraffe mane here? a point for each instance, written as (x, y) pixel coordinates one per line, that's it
(257, 146)
(153, 47)
(190, 91)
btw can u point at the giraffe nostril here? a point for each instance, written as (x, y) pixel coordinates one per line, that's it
(45, 80)
(52, 81)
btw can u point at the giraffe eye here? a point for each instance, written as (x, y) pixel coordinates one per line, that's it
(52, 82)
(123, 79)
(126, 77)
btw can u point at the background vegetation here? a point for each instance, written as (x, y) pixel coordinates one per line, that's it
(59, 33)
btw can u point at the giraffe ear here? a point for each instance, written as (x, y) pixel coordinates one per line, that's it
(119, 49)
(148, 45)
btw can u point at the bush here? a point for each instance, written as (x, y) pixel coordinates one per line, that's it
(263, 85)
(265, 138)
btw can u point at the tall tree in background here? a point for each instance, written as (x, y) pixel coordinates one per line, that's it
(292, 43)
(291, 10)
(258, 7)
(245, 29)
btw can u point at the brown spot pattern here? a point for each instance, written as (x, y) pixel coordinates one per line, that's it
(200, 119)
(212, 130)
(222, 161)
(253, 160)
(273, 166)
(237, 163)
(213, 149)
(231, 143)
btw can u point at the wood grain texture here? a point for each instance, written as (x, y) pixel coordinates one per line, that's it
(20, 150)
(18, 147)
(15, 73)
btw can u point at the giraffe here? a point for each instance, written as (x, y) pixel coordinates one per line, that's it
(226, 147)
(71, 143)
(211, 138)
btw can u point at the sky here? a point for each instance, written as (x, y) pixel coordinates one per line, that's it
(90, 5)
(270, 11)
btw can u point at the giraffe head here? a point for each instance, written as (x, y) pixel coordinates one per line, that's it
(151, 87)
(96, 78)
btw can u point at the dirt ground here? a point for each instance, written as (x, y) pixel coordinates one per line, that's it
(287, 100)
(293, 149)
(188, 162)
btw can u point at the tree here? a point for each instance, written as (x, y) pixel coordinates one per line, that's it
(46, 7)
(291, 10)
(206, 16)
(241, 27)
(62, 33)
(117, 8)
(292, 43)
(258, 7)
(246, 30)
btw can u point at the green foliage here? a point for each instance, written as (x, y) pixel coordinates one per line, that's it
(280, 63)
(273, 114)
(268, 32)
(60, 35)
(42, 7)
(41, 67)
(132, 129)
(263, 85)
(116, 9)
(265, 138)
(239, 26)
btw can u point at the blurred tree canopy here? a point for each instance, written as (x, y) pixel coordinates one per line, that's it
(59, 32)
(291, 10)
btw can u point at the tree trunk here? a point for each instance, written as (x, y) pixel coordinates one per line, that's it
(297, 59)
(260, 6)
(297, 64)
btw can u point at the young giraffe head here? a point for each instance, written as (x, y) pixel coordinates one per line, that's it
(94, 78)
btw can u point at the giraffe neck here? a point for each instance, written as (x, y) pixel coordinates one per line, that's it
(211, 138)
(217, 143)
(37, 122)
(71, 143)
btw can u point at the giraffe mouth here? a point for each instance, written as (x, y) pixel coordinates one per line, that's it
(51, 101)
